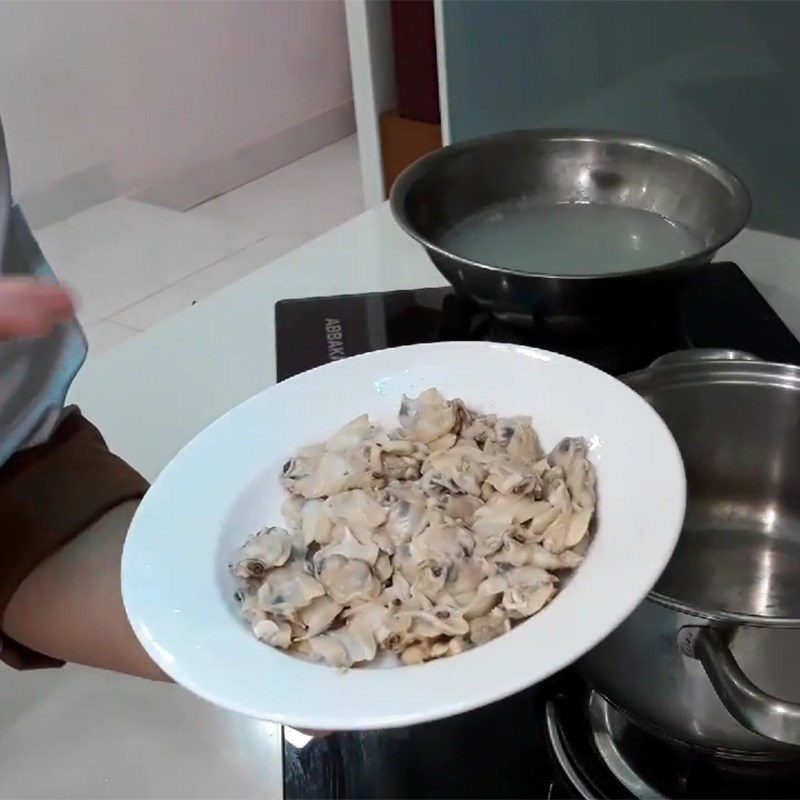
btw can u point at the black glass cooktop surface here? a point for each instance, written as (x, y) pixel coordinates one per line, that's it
(500, 750)
(716, 307)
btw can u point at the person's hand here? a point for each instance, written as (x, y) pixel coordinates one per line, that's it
(29, 308)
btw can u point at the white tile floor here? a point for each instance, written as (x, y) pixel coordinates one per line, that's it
(132, 264)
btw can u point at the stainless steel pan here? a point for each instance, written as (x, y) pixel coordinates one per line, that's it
(550, 167)
(712, 656)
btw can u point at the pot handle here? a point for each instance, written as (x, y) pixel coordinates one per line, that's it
(701, 355)
(752, 707)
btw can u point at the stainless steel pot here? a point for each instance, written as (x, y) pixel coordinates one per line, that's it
(712, 656)
(550, 167)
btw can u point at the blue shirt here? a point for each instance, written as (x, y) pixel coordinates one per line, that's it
(35, 374)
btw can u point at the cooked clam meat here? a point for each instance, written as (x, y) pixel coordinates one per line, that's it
(419, 542)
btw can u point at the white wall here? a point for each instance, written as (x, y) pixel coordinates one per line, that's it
(125, 92)
(369, 33)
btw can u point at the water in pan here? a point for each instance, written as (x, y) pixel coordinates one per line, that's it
(570, 239)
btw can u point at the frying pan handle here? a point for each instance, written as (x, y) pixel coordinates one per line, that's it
(701, 355)
(752, 707)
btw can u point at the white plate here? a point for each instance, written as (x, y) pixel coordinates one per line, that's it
(224, 485)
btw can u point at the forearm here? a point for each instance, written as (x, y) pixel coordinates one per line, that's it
(70, 607)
